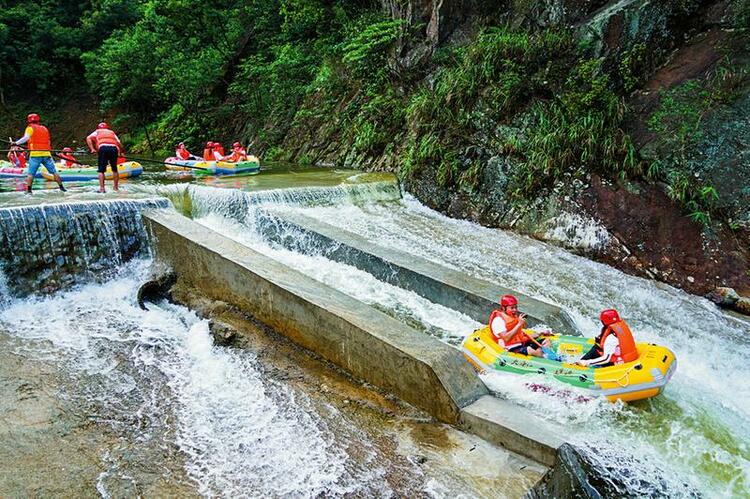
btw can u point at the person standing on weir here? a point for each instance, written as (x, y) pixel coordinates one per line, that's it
(40, 150)
(104, 141)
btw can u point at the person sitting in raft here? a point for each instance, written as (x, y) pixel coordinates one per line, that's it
(208, 151)
(17, 156)
(181, 152)
(613, 345)
(67, 160)
(507, 325)
(218, 149)
(238, 154)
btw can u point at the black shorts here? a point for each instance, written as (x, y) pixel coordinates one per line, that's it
(522, 349)
(107, 154)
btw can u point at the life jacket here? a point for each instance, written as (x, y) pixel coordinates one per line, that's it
(120, 160)
(208, 154)
(237, 156)
(518, 339)
(67, 159)
(626, 351)
(18, 158)
(39, 140)
(182, 153)
(220, 149)
(105, 137)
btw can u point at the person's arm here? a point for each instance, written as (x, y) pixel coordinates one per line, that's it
(608, 349)
(90, 141)
(506, 337)
(26, 136)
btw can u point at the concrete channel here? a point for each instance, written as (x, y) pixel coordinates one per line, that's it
(474, 297)
(367, 343)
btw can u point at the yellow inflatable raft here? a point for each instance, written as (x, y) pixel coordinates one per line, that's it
(643, 378)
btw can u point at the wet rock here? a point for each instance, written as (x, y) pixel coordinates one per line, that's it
(157, 286)
(222, 333)
(723, 297)
(743, 305)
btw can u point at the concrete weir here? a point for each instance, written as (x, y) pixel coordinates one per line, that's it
(474, 297)
(367, 343)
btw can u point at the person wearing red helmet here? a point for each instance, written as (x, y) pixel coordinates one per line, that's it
(508, 325)
(17, 156)
(109, 148)
(182, 152)
(67, 160)
(614, 344)
(40, 150)
(238, 154)
(218, 149)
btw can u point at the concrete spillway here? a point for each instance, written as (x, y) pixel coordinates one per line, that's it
(474, 297)
(367, 343)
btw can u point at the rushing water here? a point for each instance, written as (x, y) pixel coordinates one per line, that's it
(695, 437)
(186, 416)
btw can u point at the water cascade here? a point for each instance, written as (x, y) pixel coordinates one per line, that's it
(55, 245)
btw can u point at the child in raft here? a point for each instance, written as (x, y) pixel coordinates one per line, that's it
(67, 160)
(238, 154)
(17, 157)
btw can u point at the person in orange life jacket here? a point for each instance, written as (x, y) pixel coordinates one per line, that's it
(108, 145)
(17, 156)
(613, 345)
(40, 150)
(208, 151)
(181, 152)
(507, 325)
(67, 160)
(218, 149)
(238, 154)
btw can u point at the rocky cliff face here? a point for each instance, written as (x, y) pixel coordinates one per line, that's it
(681, 66)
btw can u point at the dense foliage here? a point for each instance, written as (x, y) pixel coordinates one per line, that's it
(340, 79)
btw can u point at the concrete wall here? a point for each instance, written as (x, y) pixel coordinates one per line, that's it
(474, 297)
(369, 344)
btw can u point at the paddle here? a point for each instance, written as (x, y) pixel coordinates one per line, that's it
(549, 353)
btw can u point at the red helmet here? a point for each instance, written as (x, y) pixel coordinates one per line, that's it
(33, 118)
(209, 144)
(102, 126)
(67, 149)
(508, 300)
(181, 145)
(609, 317)
(236, 144)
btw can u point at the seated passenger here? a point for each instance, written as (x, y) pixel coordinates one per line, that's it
(208, 151)
(613, 345)
(181, 152)
(17, 156)
(218, 148)
(67, 160)
(507, 325)
(238, 154)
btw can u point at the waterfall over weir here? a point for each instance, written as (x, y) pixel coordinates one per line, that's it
(197, 200)
(53, 246)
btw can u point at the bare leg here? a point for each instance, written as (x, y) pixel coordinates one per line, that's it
(101, 182)
(59, 182)
(116, 179)
(29, 181)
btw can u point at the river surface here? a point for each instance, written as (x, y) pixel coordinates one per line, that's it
(693, 440)
(117, 401)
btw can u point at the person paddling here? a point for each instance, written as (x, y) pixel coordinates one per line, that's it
(507, 325)
(67, 160)
(40, 150)
(614, 344)
(238, 154)
(108, 146)
(17, 156)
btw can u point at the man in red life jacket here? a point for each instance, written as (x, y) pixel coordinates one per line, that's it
(613, 345)
(40, 150)
(181, 152)
(238, 154)
(208, 151)
(108, 145)
(17, 156)
(67, 160)
(507, 325)
(218, 149)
